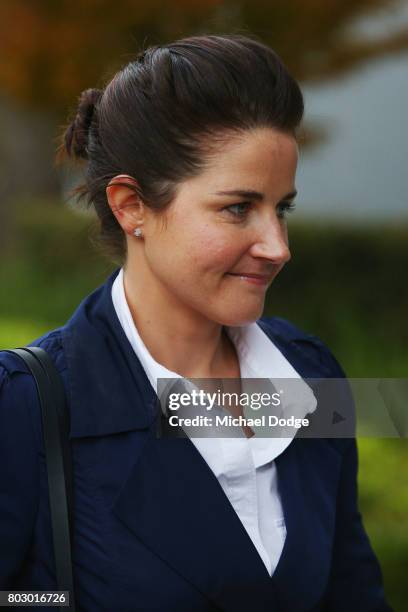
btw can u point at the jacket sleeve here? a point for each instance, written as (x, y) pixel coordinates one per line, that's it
(19, 472)
(355, 579)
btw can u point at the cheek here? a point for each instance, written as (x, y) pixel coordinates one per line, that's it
(213, 252)
(189, 253)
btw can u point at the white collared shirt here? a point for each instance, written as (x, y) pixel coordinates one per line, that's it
(244, 467)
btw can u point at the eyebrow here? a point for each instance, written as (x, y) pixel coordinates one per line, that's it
(250, 194)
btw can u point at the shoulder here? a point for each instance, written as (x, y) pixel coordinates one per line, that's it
(51, 342)
(310, 345)
(22, 452)
(19, 405)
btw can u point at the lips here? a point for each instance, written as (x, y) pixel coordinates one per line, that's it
(264, 277)
(250, 278)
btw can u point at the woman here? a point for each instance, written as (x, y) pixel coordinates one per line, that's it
(191, 158)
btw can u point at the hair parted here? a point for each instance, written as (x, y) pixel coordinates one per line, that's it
(161, 116)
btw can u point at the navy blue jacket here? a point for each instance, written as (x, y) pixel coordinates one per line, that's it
(153, 527)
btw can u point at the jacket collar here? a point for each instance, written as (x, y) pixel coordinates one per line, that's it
(109, 389)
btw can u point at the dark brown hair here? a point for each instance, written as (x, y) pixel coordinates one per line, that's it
(161, 116)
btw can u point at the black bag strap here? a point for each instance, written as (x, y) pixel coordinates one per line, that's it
(55, 420)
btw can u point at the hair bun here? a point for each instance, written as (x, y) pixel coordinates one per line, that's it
(76, 136)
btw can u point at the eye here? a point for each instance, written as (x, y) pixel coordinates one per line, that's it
(243, 208)
(285, 207)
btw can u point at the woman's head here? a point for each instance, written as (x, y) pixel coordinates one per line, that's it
(183, 121)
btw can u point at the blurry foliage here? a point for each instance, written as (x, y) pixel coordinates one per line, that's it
(383, 496)
(57, 48)
(51, 262)
(344, 284)
(348, 285)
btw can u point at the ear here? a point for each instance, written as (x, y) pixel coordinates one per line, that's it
(125, 203)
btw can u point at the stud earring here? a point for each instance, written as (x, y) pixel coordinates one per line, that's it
(137, 232)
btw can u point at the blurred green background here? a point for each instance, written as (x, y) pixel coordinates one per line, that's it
(347, 280)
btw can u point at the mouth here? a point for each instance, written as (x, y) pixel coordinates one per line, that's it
(254, 279)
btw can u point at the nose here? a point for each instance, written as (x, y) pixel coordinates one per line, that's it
(271, 242)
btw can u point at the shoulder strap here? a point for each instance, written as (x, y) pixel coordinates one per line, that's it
(55, 420)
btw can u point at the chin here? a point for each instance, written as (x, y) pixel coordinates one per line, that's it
(241, 317)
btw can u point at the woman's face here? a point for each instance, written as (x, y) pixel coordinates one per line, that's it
(212, 239)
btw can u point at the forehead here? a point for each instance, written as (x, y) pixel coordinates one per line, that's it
(267, 143)
(252, 159)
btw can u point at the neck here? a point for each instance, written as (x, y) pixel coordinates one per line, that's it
(179, 338)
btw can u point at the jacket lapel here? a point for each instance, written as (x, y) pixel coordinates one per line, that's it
(174, 504)
(308, 474)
